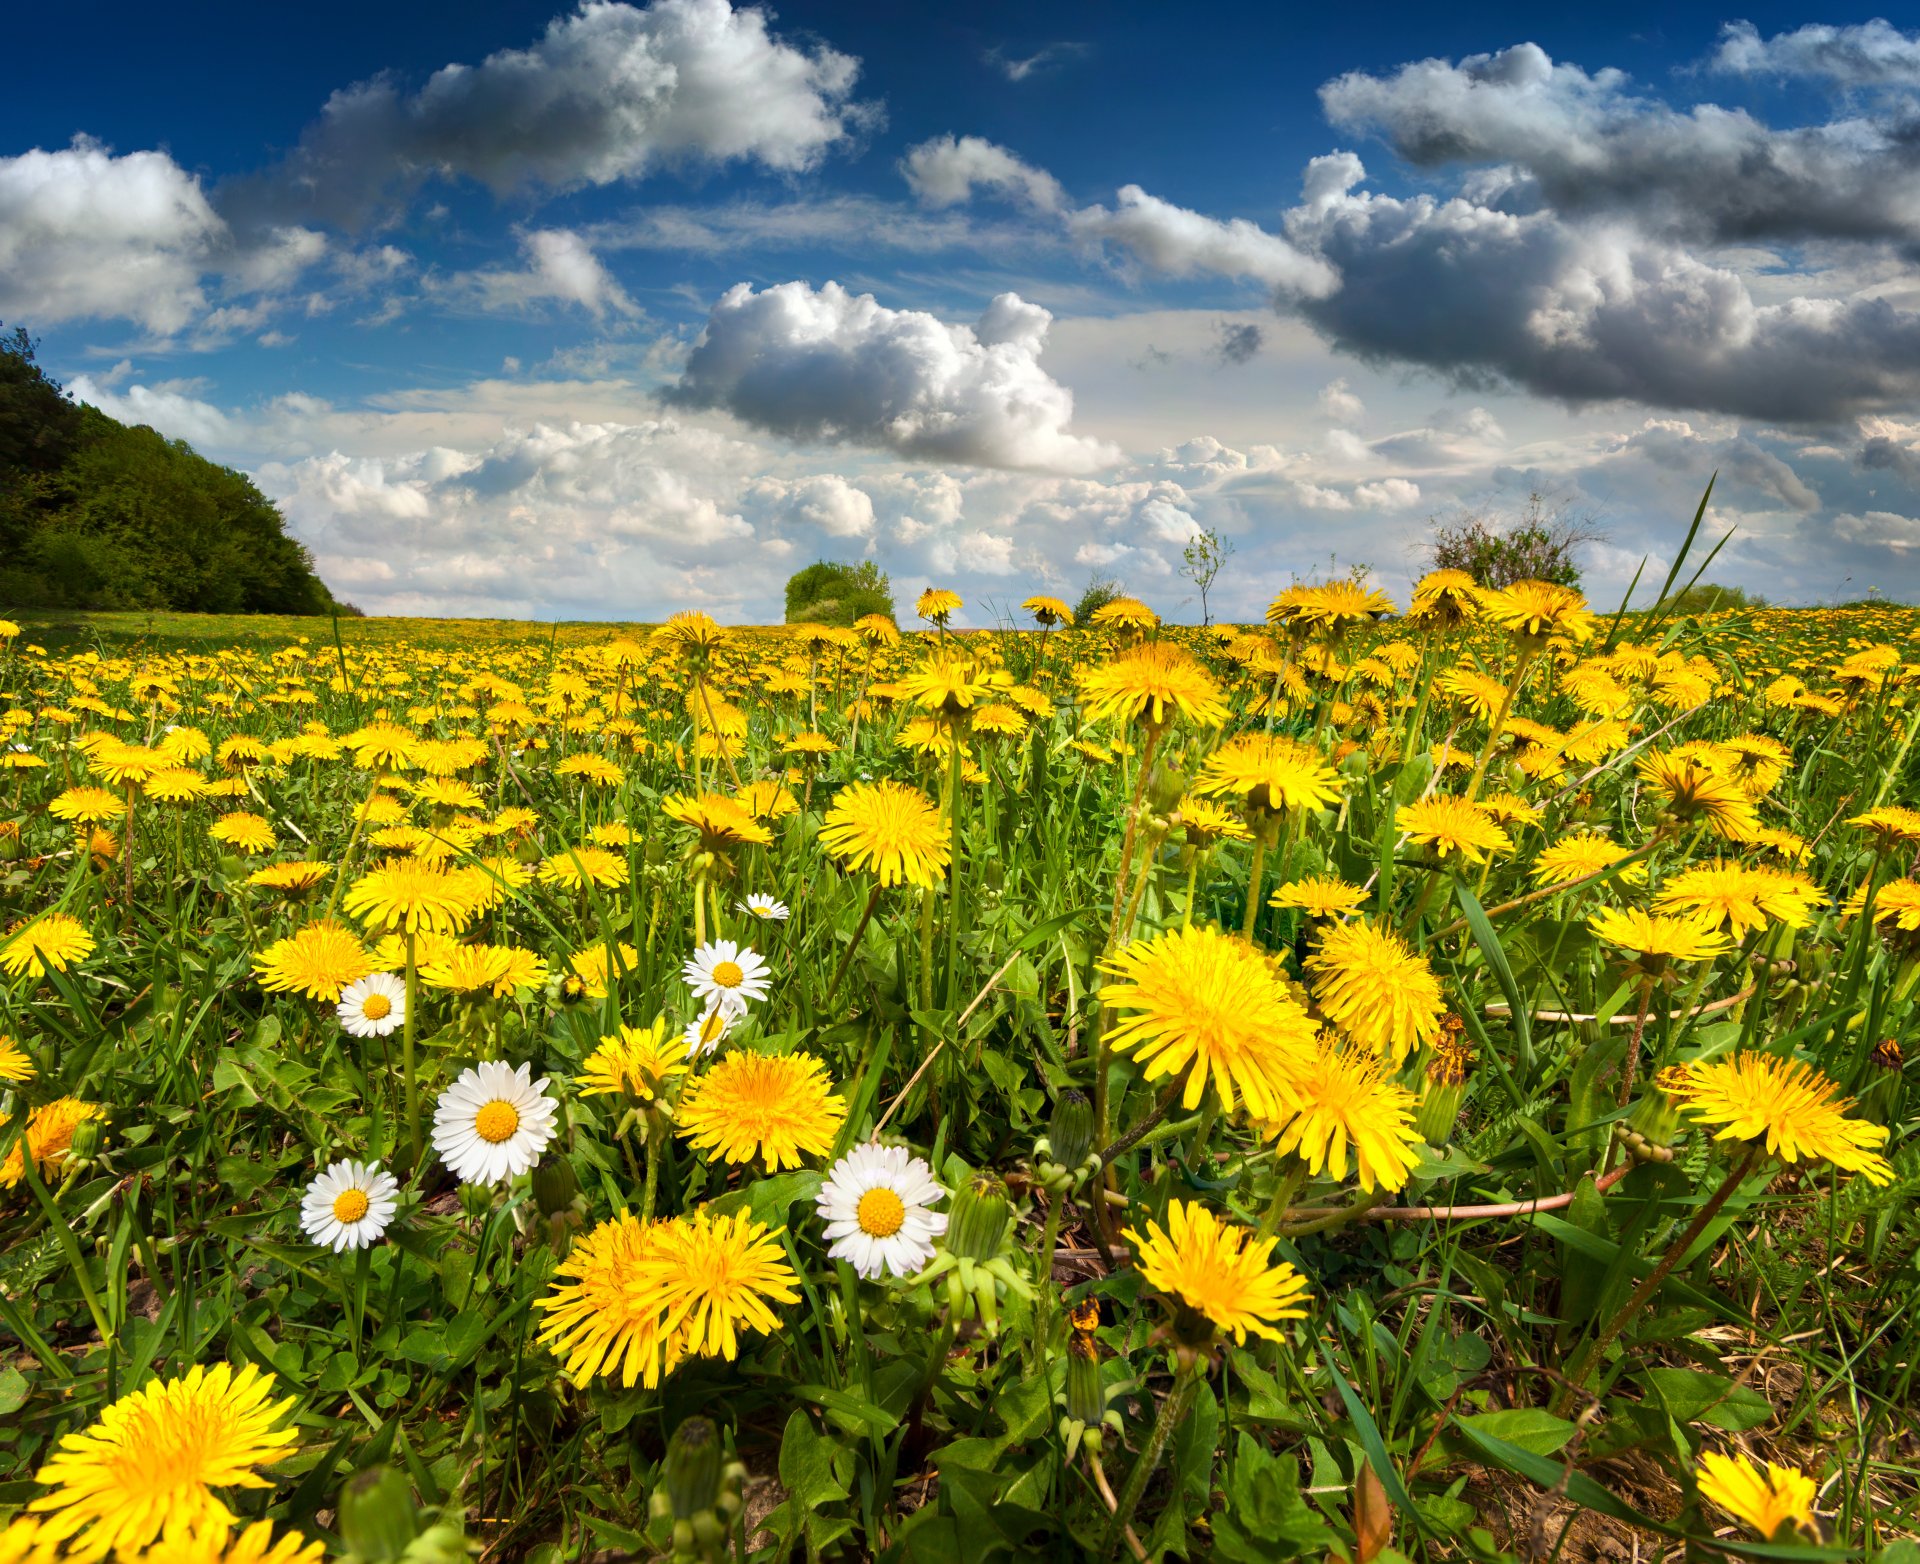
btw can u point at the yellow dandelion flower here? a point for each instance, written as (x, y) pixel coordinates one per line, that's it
(16, 1064)
(1443, 599)
(413, 897)
(242, 829)
(595, 969)
(1124, 613)
(578, 867)
(150, 1465)
(1453, 828)
(1222, 1273)
(1208, 824)
(1741, 898)
(596, 1321)
(1271, 772)
(291, 879)
(723, 823)
(1048, 611)
(1346, 1101)
(318, 961)
(1154, 683)
(893, 830)
(1660, 937)
(87, 805)
(1695, 794)
(1894, 823)
(1319, 897)
(937, 605)
(254, 1544)
(714, 1277)
(1777, 1500)
(1209, 1007)
(48, 1138)
(637, 1061)
(1370, 985)
(776, 1107)
(1539, 610)
(1790, 1107)
(52, 942)
(1582, 856)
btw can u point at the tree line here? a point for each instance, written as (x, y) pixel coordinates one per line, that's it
(97, 514)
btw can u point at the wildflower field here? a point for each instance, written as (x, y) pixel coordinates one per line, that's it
(1402, 1081)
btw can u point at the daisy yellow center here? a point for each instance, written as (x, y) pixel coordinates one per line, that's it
(728, 974)
(496, 1122)
(350, 1205)
(376, 1007)
(880, 1213)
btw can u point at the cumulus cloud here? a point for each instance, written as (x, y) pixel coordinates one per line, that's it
(1870, 54)
(828, 365)
(88, 235)
(947, 170)
(1180, 243)
(610, 93)
(560, 266)
(825, 502)
(1586, 312)
(1148, 231)
(1546, 133)
(1339, 404)
(170, 407)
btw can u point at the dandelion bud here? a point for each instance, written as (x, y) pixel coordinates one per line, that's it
(377, 1517)
(692, 1470)
(1449, 1063)
(554, 1186)
(1885, 1091)
(1070, 1136)
(978, 1218)
(1165, 787)
(1086, 1397)
(88, 1136)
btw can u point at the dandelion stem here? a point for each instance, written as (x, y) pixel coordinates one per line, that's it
(1173, 1412)
(1597, 1348)
(406, 1057)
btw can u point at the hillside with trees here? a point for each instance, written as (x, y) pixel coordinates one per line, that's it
(94, 514)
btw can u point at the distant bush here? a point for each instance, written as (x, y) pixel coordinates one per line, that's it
(829, 593)
(1542, 543)
(1101, 590)
(1708, 599)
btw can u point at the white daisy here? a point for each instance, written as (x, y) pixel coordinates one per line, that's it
(765, 908)
(725, 974)
(374, 1006)
(706, 1034)
(493, 1123)
(875, 1206)
(348, 1206)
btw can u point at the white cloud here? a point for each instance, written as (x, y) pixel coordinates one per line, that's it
(1339, 403)
(87, 235)
(825, 503)
(1165, 238)
(947, 170)
(1871, 54)
(609, 93)
(1180, 243)
(829, 365)
(560, 266)
(173, 411)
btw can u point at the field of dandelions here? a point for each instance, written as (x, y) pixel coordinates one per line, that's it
(1402, 1081)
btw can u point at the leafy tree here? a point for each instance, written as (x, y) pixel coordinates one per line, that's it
(94, 514)
(831, 593)
(1542, 543)
(1201, 561)
(1101, 590)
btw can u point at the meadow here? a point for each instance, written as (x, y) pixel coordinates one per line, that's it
(1401, 1081)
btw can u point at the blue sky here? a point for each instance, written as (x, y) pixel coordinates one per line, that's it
(612, 311)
